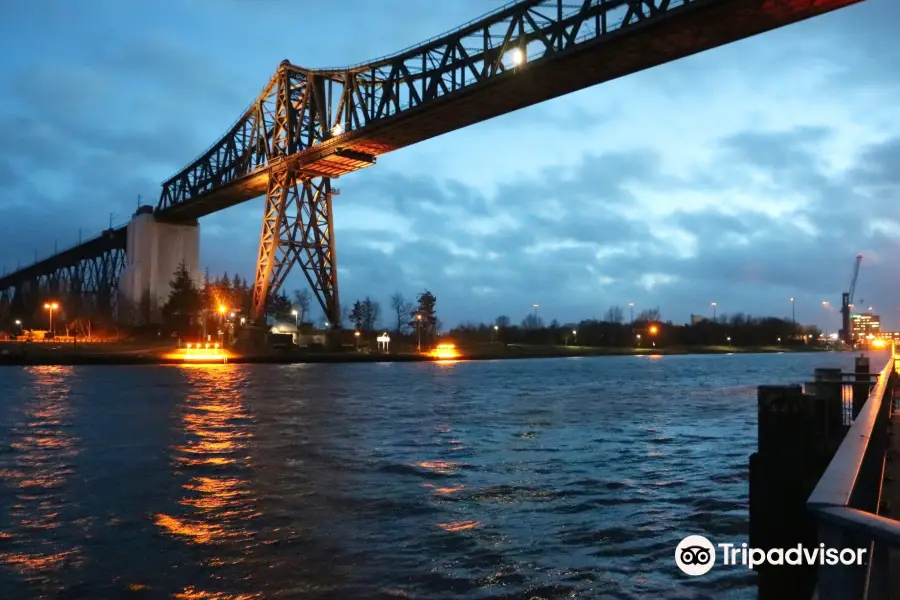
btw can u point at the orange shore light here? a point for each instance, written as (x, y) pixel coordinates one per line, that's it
(444, 352)
(200, 353)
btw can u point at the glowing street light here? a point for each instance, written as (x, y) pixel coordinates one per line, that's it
(222, 309)
(51, 306)
(729, 341)
(714, 305)
(793, 314)
(356, 333)
(653, 329)
(295, 313)
(419, 332)
(574, 336)
(631, 308)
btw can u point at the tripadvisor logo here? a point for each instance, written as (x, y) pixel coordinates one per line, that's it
(695, 555)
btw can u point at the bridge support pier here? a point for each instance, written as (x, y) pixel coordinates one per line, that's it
(155, 250)
(297, 228)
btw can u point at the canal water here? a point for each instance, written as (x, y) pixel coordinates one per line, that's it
(532, 479)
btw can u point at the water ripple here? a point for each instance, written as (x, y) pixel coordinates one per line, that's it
(523, 480)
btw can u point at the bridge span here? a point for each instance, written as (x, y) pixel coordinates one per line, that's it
(309, 126)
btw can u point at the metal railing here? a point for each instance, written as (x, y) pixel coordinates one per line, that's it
(846, 500)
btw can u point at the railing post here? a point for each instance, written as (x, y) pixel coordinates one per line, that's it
(793, 451)
(862, 385)
(836, 582)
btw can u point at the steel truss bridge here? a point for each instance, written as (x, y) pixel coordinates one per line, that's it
(309, 126)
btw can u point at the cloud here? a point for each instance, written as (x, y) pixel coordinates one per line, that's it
(745, 175)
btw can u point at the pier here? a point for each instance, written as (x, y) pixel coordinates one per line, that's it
(825, 475)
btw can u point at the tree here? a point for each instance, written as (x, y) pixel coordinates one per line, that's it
(183, 302)
(402, 309)
(615, 314)
(302, 301)
(424, 316)
(371, 311)
(280, 307)
(649, 315)
(532, 321)
(502, 321)
(357, 315)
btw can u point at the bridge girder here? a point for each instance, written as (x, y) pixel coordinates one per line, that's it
(298, 229)
(87, 286)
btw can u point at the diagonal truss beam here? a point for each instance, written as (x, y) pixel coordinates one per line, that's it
(297, 229)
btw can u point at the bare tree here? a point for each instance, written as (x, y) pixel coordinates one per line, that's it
(532, 321)
(615, 314)
(402, 309)
(649, 315)
(302, 302)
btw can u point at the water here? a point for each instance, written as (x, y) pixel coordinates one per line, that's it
(563, 478)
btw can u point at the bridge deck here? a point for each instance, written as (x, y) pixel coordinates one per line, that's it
(699, 26)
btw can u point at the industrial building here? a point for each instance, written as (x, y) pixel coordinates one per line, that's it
(862, 325)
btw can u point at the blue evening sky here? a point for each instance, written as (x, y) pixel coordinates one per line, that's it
(745, 175)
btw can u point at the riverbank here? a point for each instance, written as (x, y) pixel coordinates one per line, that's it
(163, 354)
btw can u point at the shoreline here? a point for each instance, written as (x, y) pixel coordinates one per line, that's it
(60, 356)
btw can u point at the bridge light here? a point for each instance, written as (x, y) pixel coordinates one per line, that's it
(517, 56)
(337, 129)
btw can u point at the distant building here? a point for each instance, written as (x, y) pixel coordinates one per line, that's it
(862, 325)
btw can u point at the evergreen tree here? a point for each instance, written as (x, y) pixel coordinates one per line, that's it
(280, 307)
(424, 315)
(184, 302)
(358, 315)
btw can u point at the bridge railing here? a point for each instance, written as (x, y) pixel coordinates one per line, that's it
(846, 500)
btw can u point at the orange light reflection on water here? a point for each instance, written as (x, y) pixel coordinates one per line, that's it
(39, 469)
(218, 507)
(459, 525)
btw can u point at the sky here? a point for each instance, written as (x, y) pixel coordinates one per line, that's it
(743, 176)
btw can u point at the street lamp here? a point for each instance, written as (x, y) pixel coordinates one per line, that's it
(729, 341)
(419, 332)
(535, 306)
(793, 314)
(356, 333)
(825, 305)
(713, 304)
(296, 321)
(638, 336)
(631, 308)
(51, 306)
(653, 329)
(574, 336)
